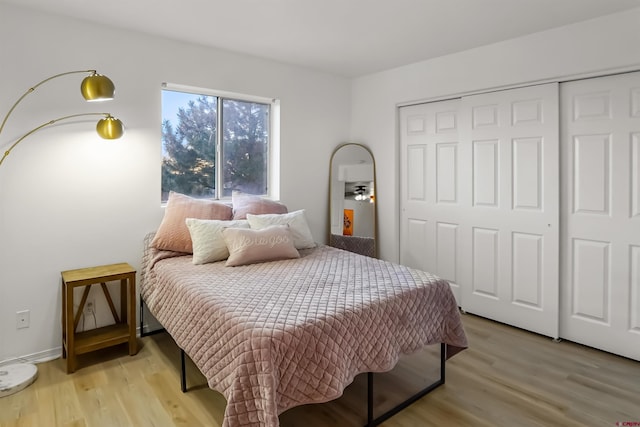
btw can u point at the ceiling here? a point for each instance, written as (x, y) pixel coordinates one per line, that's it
(345, 37)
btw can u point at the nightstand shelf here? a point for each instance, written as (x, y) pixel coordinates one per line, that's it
(124, 329)
(98, 338)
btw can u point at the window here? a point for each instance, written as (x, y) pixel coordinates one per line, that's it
(214, 143)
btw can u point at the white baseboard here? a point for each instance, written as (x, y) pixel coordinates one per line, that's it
(46, 355)
(39, 357)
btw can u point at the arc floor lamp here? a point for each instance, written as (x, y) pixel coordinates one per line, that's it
(95, 87)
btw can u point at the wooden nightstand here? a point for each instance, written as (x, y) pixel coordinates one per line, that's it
(124, 330)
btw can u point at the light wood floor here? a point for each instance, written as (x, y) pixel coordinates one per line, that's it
(507, 377)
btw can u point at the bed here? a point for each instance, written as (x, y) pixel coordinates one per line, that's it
(270, 336)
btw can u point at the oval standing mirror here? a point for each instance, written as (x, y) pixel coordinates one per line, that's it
(352, 200)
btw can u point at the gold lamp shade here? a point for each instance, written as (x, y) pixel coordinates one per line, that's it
(97, 87)
(110, 128)
(94, 87)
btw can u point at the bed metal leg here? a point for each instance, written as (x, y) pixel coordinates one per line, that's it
(370, 399)
(379, 420)
(141, 317)
(142, 332)
(443, 360)
(183, 372)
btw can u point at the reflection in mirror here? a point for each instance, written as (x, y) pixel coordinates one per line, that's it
(352, 200)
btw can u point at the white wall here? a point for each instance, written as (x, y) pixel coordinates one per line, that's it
(597, 46)
(70, 200)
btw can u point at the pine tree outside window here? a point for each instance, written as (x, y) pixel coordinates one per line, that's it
(214, 143)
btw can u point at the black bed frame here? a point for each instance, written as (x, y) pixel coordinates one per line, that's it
(371, 421)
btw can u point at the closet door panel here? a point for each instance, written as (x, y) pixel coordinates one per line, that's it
(635, 174)
(430, 190)
(480, 176)
(415, 247)
(527, 273)
(600, 219)
(527, 173)
(512, 257)
(484, 270)
(486, 167)
(634, 285)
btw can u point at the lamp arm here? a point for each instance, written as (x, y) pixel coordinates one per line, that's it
(49, 123)
(31, 89)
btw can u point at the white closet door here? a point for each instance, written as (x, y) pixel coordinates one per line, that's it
(511, 232)
(601, 213)
(479, 201)
(430, 208)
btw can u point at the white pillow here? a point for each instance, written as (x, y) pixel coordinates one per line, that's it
(297, 222)
(206, 235)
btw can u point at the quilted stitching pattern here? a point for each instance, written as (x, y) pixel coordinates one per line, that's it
(275, 335)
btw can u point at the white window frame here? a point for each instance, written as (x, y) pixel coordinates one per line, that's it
(273, 177)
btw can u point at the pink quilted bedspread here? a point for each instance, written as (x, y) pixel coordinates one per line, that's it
(279, 334)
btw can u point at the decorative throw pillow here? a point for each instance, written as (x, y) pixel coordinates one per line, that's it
(208, 243)
(247, 246)
(173, 234)
(297, 222)
(244, 204)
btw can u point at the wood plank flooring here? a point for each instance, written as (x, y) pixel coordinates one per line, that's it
(507, 377)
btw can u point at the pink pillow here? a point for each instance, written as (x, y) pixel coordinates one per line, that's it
(173, 234)
(247, 246)
(257, 205)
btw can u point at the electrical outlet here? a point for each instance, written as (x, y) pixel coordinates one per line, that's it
(90, 308)
(22, 319)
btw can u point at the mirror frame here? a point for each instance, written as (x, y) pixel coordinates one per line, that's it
(375, 186)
